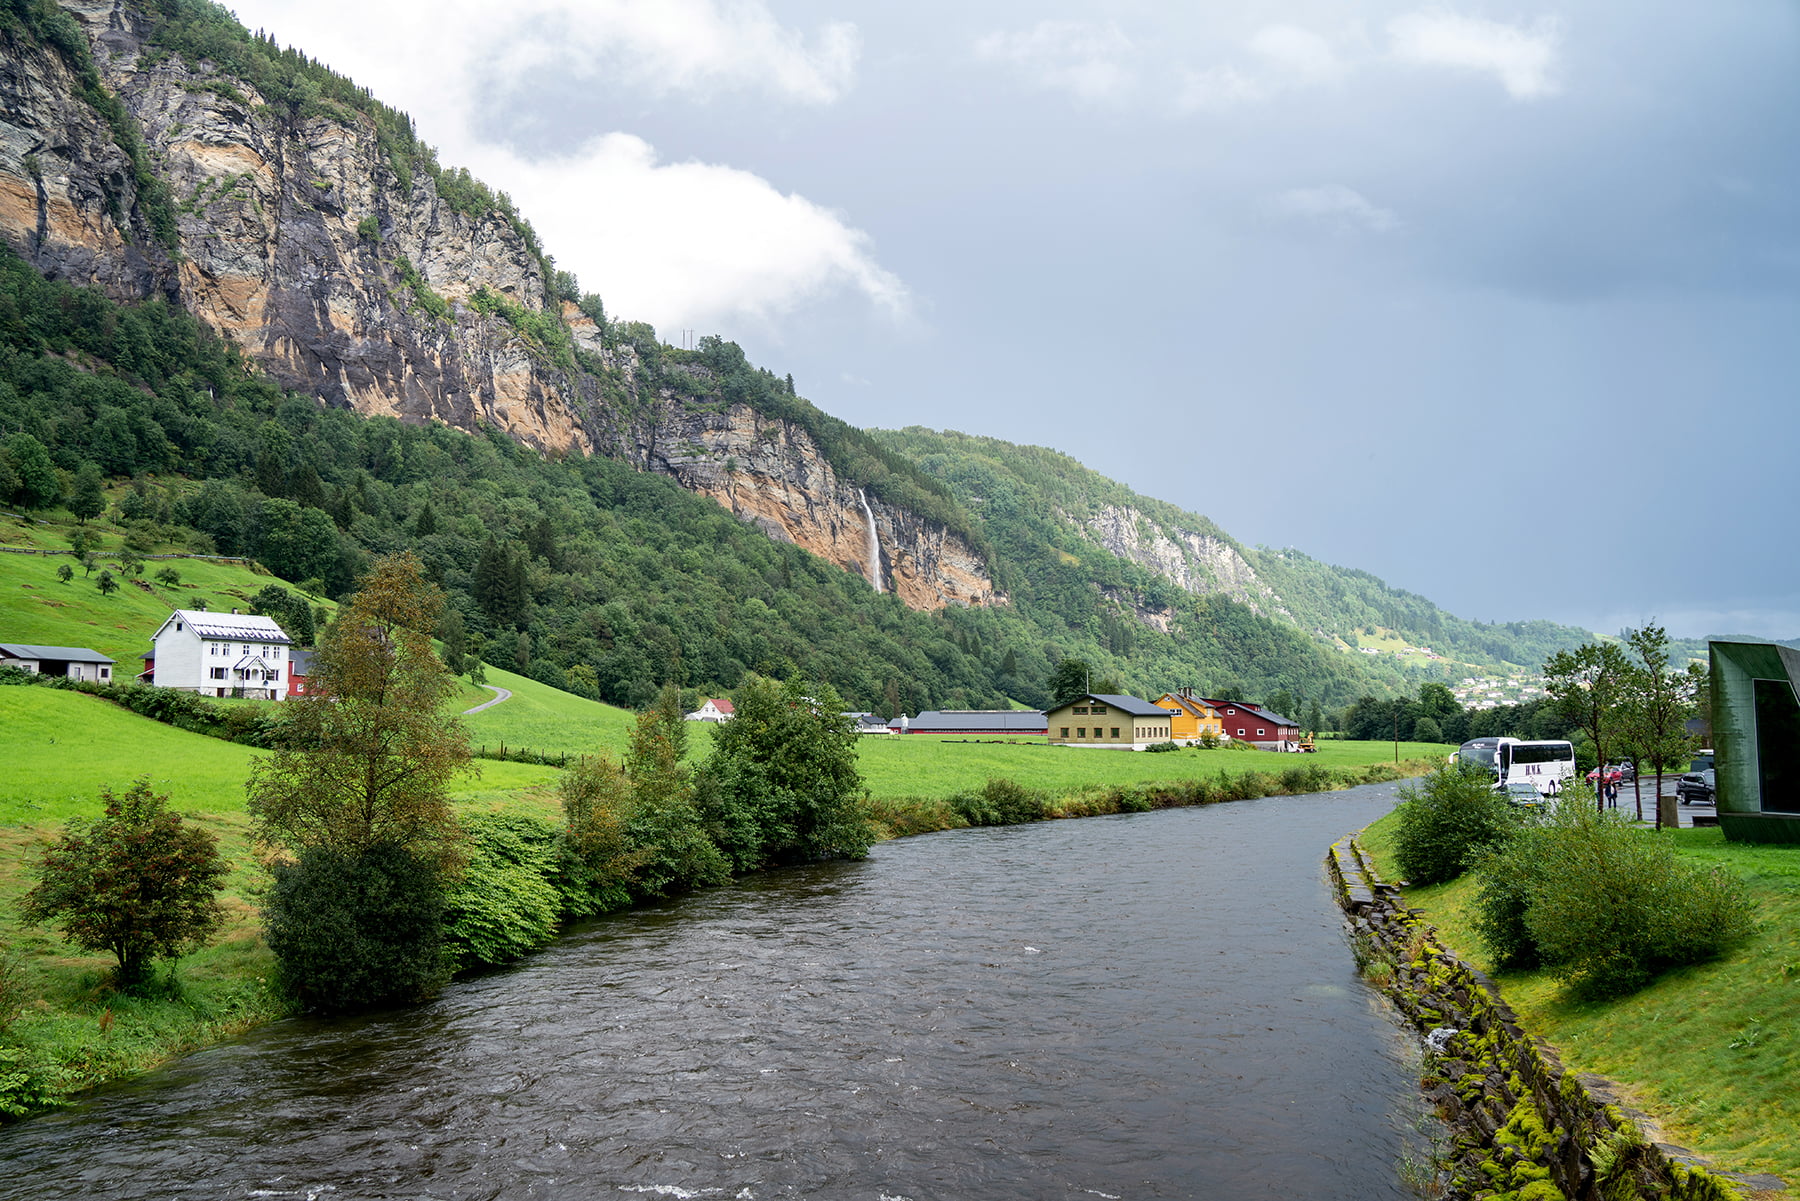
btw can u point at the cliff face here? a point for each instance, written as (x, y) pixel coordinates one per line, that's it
(1196, 562)
(298, 240)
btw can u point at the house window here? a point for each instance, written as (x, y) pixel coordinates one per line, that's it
(1081, 709)
(1260, 731)
(1081, 731)
(274, 677)
(1098, 710)
(1240, 731)
(1065, 732)
(1115, 730)
(218, 673)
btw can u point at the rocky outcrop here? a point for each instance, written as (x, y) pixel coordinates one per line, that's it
(772, 474)
(296, 238)
(1196, 562)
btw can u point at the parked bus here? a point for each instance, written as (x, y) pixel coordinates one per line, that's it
(1546, 765)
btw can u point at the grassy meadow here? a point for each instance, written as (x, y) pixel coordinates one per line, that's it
(1711, 1051)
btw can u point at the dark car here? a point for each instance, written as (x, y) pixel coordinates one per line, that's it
(1696, 787)
(1522, 793)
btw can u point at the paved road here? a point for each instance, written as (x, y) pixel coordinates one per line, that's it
(1685, 813)
(501, 694)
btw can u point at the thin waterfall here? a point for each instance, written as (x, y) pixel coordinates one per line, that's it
(874, 542)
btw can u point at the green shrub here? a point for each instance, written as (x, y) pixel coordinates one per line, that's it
(1604, 905)
(355, 930)
(1164, 747)
(1445, 821)
(1001, 802)
(506, 902)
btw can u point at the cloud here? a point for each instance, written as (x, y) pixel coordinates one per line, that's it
(1090, 61)
(1295, 54)
(1522, 59)
(689, 242)
(674, 243)
(1337, 205)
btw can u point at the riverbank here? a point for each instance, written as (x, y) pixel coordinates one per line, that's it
(74, 1033)
(1711, 1050)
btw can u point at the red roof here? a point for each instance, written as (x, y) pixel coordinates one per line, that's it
(721, 704)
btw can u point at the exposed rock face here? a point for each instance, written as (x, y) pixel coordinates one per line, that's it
(299, 241)
(1198, 563)
(771, 473)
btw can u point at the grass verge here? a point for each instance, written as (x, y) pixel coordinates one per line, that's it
(1711, 1051)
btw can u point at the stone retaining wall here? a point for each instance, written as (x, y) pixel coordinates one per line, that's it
(1523, 1128)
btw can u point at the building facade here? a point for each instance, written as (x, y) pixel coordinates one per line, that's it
(1098, 719)
(75, 662)
(1190, 717)
(220, 654)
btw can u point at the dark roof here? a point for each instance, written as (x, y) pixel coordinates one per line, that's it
(61, 654)
(299, 661)
(238, 627)
(967, 721)
(1124, 704)
(1260, 713)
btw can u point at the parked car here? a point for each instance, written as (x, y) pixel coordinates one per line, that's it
(1696, 786)
(1522, 793)
(1616, 773)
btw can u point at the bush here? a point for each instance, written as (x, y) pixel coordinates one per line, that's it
(1603, 905)
(356, 929)
(506, 902)
(1001, 802)
(1163, 747)
(1445, 821)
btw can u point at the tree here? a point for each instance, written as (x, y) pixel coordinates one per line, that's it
(106, 584)
(87, 499)
(138, 882)
(37, 485)
(1068, 680)
(451, 632)
(1659, 699)
(367, 755)
(1587, 687)
(169, 577)
(65, 573)
(663, 820)
(781, 785)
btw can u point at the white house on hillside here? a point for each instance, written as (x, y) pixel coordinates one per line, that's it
(220, 654)
(715, 709)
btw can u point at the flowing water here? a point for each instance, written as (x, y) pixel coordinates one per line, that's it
(1154, 1005)
(874, 547)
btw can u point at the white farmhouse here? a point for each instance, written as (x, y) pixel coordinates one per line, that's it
(220, 654)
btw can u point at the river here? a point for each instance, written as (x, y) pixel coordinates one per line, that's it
(1152, 1005)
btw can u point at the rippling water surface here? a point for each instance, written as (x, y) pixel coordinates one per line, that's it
(1155, 1005)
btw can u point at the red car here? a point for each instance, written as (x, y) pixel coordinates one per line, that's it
(1616, 773)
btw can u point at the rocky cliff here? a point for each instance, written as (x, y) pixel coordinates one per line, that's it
(295, 235)
(1195, 562)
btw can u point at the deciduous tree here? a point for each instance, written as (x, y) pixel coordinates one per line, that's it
(1587, 686)
(138, 882)
(1659, 699)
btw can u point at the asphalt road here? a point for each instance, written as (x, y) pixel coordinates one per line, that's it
(1627, 802)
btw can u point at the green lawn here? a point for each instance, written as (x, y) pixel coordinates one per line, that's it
(541, 718)
(1712, 1051)
(919, 765)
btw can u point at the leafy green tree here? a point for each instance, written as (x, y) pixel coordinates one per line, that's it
(138, 882)
(781, 785)
(64, 572)
(169, 577)
(600, 860)
(452, 633)
(664, 821)
(1445, 821)
(367, 755)
(37, 485)
(1588, 686)
(87, 500)
(356, 928)
(1659, 700)
(106, 584)
(1068, 680)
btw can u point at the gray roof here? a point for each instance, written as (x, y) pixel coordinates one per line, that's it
(240, 627)
(61, 654)
(1257, 711)
(965, 721)
(1124, 704)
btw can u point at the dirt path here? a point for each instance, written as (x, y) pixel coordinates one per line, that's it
(500, 694)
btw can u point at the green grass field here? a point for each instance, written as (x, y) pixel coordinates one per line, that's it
(1712, 1051)
(545, 719)
(918, 765)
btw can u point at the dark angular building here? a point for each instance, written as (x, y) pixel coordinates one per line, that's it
(1756, 739)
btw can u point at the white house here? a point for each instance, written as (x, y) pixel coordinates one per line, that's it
(75, 662)
(715, 709)
(220, 654)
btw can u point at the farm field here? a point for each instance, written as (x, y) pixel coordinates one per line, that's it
(918, 765)
(548, 720)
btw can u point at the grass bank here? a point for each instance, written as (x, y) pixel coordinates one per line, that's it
(1711, 1051)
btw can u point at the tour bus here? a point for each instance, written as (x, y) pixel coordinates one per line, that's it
(1545, 765)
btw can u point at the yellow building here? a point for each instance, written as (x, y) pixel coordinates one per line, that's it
(1105, 720)
(1189, 716)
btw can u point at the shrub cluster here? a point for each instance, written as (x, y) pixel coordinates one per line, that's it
(1446, 820)
(1603, 905)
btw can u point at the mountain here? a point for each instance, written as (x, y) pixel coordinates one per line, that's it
(245, 281)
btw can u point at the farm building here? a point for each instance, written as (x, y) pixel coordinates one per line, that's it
(1253, 724)
(715, 709)
(1105, 719)
(75, 662)
(1190, 717)
(972, 721)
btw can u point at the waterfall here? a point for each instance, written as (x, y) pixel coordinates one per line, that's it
(874, 551)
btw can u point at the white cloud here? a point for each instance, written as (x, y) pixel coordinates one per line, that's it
(691, 243)
(678, 244)
(1091, 61)
(1297, 54)
(1524, 60)
(1282, 58)
(1337, 205)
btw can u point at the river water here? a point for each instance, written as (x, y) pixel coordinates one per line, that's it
(1153, 1005)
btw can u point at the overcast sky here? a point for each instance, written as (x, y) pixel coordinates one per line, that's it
(1471, 296)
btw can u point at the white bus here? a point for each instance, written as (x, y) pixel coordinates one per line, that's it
(1546, 765)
